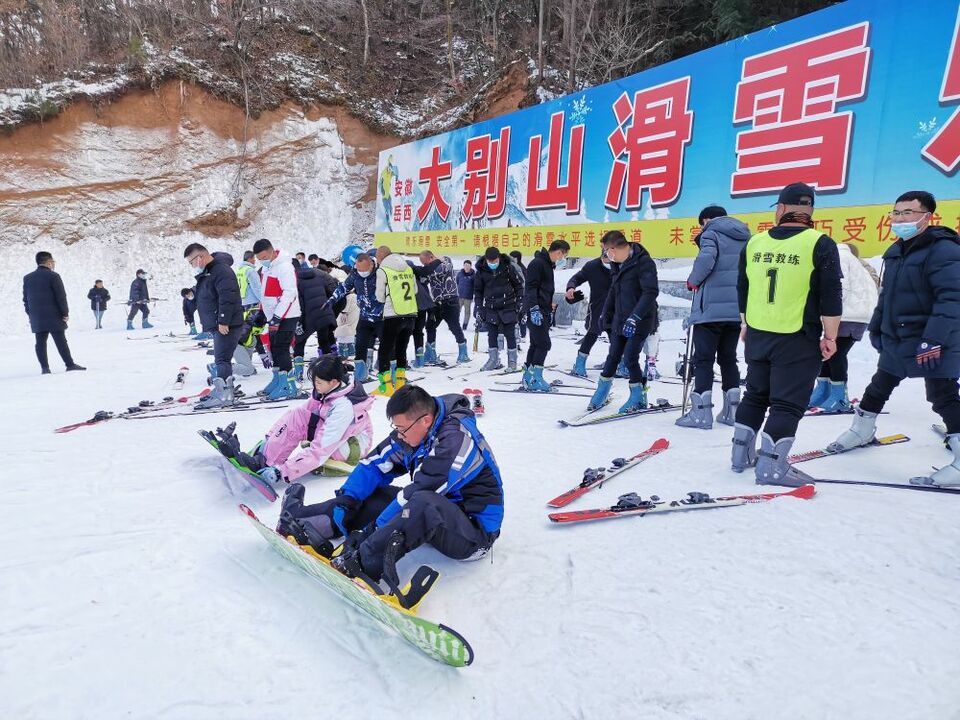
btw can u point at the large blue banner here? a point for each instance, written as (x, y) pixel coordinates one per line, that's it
(861, 100)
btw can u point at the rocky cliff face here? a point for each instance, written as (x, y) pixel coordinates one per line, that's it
(130, 184)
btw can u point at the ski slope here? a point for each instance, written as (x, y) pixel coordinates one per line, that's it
(132, 586)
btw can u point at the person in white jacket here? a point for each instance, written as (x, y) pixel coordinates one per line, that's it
(860, 293)
(280, 305)
(347, 320)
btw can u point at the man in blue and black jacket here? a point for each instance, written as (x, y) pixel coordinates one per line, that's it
(363, 281)
(454, 500)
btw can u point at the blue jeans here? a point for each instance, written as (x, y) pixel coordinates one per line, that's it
(98, 316)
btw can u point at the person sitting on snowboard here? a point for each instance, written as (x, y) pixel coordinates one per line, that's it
(333, 424)
(454, 500)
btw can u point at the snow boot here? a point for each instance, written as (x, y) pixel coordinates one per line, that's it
(286, 387)
(146, 325)
(298, 369)
(419, 358)
(744, 452)
(129, 324)
(949, 475)
(731, 401)
(462, 356)
(836, 399)
(386, 384)
(622, 371)
(580, 366)
(637, 399)
(399, 378)
(359, 371)
(601, 394)
(272, 384)
(221, 395)
(820, 391)
(493, 360)
(700, 414)
(430, 354)
(193, 329)
(861, 432)
(772, 466)
(512, 360)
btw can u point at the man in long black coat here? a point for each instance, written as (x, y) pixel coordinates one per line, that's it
(45, 302)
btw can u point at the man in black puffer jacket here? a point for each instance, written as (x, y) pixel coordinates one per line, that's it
(631, 314)
(538, 306)
(221, 314)
(45, 303)
(138, 300)
(498, 290)
(916, 327)
(598, 274)
(316, 315)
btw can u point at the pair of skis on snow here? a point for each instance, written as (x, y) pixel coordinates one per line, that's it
(633, 504)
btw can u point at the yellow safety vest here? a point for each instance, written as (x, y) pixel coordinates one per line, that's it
(402, 286)
(241, 273)
(778, 272)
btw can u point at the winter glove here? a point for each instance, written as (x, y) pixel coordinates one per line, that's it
(270, 474)
(577, 297)
(630, 327)
(928, 355)
(876, 342)
(299, 330)
(266, 360)
(536, 317)
(274, 324)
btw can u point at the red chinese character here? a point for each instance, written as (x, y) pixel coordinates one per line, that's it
(824, 226)
(790, 95)
(397, 213)
(485, 184)
(635, 235)
(397, 188)
(408, 187)
(648, 145)
(764, 226)
(407, 212)
(883, 230)
(695, 233)
(553, 194)
(676, 236)
(433, 174)
(944, 149)
(854, 227)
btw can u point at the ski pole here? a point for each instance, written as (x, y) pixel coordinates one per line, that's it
(686, 369)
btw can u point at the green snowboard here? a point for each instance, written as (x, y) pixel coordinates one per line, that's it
(436, 641)
(262, 486)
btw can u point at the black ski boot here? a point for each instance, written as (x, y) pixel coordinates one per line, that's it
(228, 441)
(395, 549)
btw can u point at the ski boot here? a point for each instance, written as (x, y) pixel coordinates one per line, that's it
(539, 384)
(211, 372)
(386, 384)
(622, 371)
(580, 366)
(286, 387)
(511, 360)
(637, 400)
(271, 386)
(728, 414)
(430, 356)
(146, 325)
(419, 357)
(820, 391)
(462, 356)
(399, 378)
(861, 432)
(193, 328)
(359, 371)
(129, 324)
(602, 393)
(527, 380)
(221, 395)
(699, 415)
(342, 351)
(298, 369)
(772, 465)
(836, 399)
(493, 360)
(744, 451)
(949, 475)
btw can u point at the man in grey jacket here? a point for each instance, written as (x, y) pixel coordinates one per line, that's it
(715, 316)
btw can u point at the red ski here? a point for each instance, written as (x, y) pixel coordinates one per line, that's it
(633, 504)
(145, 406)
(595, 477)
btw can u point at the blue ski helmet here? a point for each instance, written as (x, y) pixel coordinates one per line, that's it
(349, 254)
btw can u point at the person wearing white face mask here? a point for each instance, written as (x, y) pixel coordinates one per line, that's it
(221, 313)
(363, 282)
(916, 327)
(538, 304)
(597, 274)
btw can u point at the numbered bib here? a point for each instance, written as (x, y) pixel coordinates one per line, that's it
(402, 287)
(779, 273)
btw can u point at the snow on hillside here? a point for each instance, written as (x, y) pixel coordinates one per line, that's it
(132, 587)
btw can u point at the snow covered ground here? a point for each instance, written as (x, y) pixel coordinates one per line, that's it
(132, 586)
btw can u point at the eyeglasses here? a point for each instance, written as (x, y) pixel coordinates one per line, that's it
(404, 431)
(895, 214)
(192, 260)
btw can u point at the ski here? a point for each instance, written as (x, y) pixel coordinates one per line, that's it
(559, 384)
(596, 477)
(897, 486)
(206, 411)
(876, 442)
(594, 417)
(409, 378)
(520, 370)
(475, 396)
(632, 504)
(552, 391)
(435, 640)
(143, 408)
(181, 377)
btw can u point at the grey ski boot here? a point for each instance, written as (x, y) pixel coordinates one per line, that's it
(700, 414)
(493, 360)
(949, 475)
(772, 466)
(731, 401)
(511, 359)
(861, 432)
(220, 396)
(744, 452)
